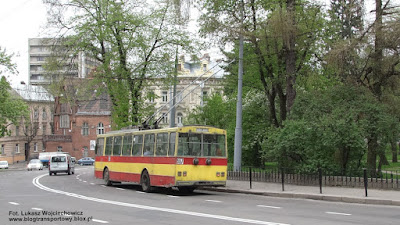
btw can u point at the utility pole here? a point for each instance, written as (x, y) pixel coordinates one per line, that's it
(237, 159)
(172, 113)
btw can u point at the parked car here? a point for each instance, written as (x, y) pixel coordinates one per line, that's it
(35, 164)
(3, 165)
(61, 163)
(86, 161)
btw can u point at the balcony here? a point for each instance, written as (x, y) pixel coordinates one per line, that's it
(57, 138)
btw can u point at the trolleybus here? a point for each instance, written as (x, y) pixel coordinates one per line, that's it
(184, 157)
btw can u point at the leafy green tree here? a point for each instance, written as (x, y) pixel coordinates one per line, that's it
(329, 129)
(374, 65)
(132, 41)
(282, 36)
(11, 108)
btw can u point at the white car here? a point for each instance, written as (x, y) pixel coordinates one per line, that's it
(35, 164)
(3, 165)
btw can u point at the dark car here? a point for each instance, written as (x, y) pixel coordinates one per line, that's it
(86, 161)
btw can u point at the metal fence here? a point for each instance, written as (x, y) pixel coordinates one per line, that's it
(319, 177)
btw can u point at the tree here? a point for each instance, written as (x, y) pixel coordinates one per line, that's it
(375, 65)
(11, 109)
(283, 36)
(131, 40)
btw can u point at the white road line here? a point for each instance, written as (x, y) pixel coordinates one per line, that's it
(36, 182)
(120, 189)
(140, 192)
(216, 201)
(13, 203)
(173, 196)
(38, 209)
(268, 206)
(99, 221)
(84, 181)
(103, 185)
(92, 183)
(337, 213)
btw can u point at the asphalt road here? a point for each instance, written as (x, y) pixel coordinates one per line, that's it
(34, 196)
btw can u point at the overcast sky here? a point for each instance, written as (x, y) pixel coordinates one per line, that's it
(23, 19)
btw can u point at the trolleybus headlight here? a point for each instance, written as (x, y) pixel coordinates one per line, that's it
(195, 161)
(208, 161)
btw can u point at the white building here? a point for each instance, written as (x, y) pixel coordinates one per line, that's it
(195, 81)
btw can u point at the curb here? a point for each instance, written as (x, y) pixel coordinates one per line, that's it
(332, 198)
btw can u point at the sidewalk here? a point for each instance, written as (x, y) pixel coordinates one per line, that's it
(337, 194)
(18, 166)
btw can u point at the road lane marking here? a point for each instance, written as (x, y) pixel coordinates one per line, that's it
(13, 203)
(216, 201)
(99, 221)
(173, 196)
(84, 181)
(140, 192)
(268, 206)
(103, 186)
(38, 209)
(36, 182)
(120, 189)
(337, 213)
(92, 183)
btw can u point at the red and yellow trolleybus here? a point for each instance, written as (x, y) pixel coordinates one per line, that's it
(184, 157)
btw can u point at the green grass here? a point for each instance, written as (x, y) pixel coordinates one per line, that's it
(392, 166)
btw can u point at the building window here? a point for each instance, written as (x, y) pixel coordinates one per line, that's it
(44, 127)
(44, 114)
(64, 121)
(35, 114)
(2, 149)
(59, 149)
(40, 58)
(164, 96)
(100, 128)
(35, 148)
(179, 97)
(180, 118)
(150, 96)
(85, 129)
(165, 118)
(204, 67)
(16, 130)
(16, 148)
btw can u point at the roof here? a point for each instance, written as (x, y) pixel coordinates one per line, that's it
(98, 105)
(33, 93)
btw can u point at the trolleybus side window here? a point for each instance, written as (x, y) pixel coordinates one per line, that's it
(162, 144)
(127, 145)
(137, 145)
(148, 145)
(109, 142)
(99, 146)
(172, 137)
(117, 145)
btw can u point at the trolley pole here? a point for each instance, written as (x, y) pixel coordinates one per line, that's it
(237, 159)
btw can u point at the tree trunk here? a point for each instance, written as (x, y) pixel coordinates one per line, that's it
(371, 156)
(291, 58)
(394, 150)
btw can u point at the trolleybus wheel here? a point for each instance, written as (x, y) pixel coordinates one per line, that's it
(145, 182)
(106, 177)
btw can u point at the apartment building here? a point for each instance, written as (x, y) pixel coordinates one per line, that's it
(43, 50)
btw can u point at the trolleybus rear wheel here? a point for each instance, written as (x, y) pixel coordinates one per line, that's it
(106, 176)
(145, 182)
